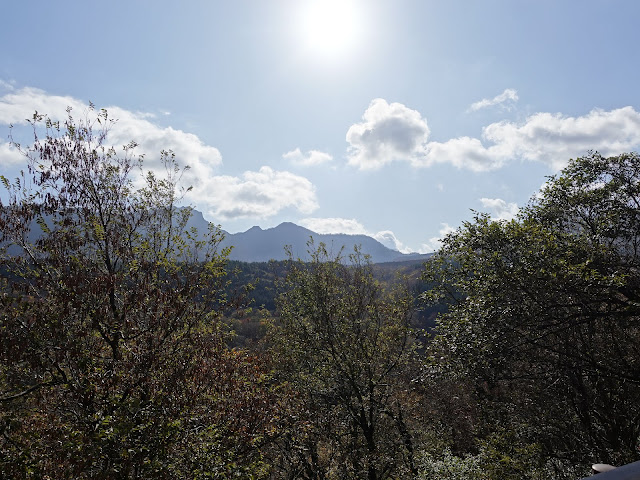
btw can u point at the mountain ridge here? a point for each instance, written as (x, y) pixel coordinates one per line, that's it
(261, 245)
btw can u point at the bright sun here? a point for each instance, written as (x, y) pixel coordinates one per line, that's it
(330, 28)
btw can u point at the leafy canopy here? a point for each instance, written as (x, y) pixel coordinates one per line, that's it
(545, 312)
(113, 362)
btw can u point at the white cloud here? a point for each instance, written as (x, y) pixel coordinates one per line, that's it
(351, 226)
(435, 243)
(17, 106)
(313, 157)
(389, 240)
(152, 139)
(387, 133)
(544, 137)
(509, 95)
(393, 132)
(554, 138)
(255, 194)
(464, 152)
(20, 104)
(9, 155)
(499, 209)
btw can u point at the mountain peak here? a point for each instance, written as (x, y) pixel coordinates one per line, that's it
(258, 245)
(288, 225)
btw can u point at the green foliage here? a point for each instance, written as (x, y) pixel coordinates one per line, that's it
(544, 313)
(113, 362)
(346, 346)
(501, 456)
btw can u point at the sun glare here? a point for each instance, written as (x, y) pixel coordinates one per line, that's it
(330, 28)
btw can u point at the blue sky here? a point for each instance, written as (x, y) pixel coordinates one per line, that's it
(390, 118)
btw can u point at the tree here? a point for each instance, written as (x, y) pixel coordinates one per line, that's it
(544, 313)
(113, 362)
(345, 345)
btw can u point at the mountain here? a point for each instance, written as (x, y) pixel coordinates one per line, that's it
(258, 245)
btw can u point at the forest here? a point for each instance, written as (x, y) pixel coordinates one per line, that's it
(131, 347)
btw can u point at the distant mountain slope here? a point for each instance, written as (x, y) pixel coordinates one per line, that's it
(258, 245)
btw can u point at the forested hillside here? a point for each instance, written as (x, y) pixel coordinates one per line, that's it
(131, 347)
(264, 276)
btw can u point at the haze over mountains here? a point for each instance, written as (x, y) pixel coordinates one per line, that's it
(258, 245)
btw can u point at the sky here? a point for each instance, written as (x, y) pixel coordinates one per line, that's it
(392, 118)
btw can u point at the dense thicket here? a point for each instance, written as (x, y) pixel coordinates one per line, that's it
(260, 284)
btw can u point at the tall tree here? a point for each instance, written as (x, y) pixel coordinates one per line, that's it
(346, 345)
(112, 358)
(545, 313)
